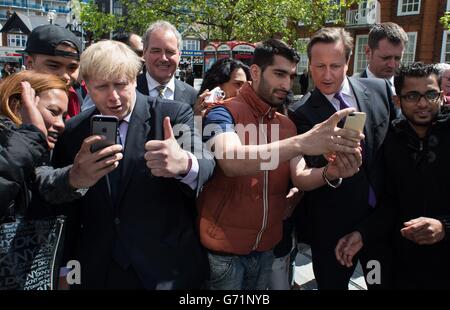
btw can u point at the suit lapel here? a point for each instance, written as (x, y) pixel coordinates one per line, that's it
(364, 74)
(179, 91)
(322, 107)
(362, 95)
(137, 133)
(142, 84)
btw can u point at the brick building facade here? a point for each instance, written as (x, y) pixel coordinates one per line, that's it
(428, 42)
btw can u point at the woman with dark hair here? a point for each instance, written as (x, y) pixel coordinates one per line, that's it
(229, 74)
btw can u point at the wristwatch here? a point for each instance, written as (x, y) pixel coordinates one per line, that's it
(332, 184)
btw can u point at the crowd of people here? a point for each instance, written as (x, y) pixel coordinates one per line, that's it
(201, 192)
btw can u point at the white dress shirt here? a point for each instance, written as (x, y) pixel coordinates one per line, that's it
(391, 80)
(152, 84)
(347, 94)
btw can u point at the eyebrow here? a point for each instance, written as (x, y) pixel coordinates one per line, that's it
(53, 62)
(281, 71)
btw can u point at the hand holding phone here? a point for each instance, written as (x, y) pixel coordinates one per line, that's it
(104, 126)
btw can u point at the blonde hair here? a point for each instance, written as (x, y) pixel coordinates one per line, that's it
(109, 60)
(11, 89)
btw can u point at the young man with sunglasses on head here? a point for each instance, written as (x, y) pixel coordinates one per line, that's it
(414, 210)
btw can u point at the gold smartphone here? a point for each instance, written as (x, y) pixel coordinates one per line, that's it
(355, 121)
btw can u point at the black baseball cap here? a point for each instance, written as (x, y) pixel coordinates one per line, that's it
(44, 39)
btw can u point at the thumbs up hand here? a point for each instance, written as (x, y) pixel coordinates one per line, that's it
(166, 158)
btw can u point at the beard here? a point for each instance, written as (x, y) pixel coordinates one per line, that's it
(267, 94)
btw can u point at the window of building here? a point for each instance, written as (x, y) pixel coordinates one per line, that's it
(303, 63)
(445, 54)
(360, 62)
(191, 45)
(448, 5)
(409, 54)
(117, 8)
(17, 40)
(408, 7)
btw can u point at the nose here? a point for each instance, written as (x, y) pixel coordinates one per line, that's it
(287, 84)
(113, 94)
(423, 102)
(59, 125)
(163, 56)
(392, 63)
(66, 77)
(327, 73)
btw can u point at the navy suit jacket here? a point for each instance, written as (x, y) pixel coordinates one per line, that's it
(153, 217)
(183, 92)
(331, 213)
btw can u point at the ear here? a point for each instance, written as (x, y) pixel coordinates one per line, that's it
(396, 100)
(29, 62)
(255, 72)
(368, 52)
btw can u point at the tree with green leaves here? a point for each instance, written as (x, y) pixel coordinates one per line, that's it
(222, 20)
(445, 20)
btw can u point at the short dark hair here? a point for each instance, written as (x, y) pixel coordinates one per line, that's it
(265, 52)
(220, 72)
(417, 70)
(390, 31)
(123, 37)
(332, 35)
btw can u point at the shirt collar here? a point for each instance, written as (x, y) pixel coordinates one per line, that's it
(128, 117)
(345, 90)
(372, 76)
(152, 83)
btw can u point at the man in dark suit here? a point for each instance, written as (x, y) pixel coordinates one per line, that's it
(136, 225)
(384, 51)
(162, 44)
(335, 208)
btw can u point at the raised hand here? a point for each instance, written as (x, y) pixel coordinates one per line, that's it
(166, 158)
(326, 137)
(29, 107)
(89, 167)
(200, 104)
(343, 165)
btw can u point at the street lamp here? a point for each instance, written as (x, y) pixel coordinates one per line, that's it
(51, 16)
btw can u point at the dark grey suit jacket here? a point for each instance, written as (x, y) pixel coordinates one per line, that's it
(361, 75)
(332, 213)
(183, 92)
(153, 217)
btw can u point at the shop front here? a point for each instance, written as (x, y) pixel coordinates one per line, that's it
(194, 59)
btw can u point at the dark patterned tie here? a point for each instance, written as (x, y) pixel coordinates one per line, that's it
(115, 175)
(161, 90)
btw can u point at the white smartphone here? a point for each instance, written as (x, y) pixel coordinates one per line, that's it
(104, 126)
(355, 121)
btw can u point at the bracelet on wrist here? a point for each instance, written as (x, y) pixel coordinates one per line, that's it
(332, 184)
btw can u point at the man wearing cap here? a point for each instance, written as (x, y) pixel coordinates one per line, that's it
(55, 50)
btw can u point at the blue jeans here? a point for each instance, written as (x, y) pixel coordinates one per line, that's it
(240, 272)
